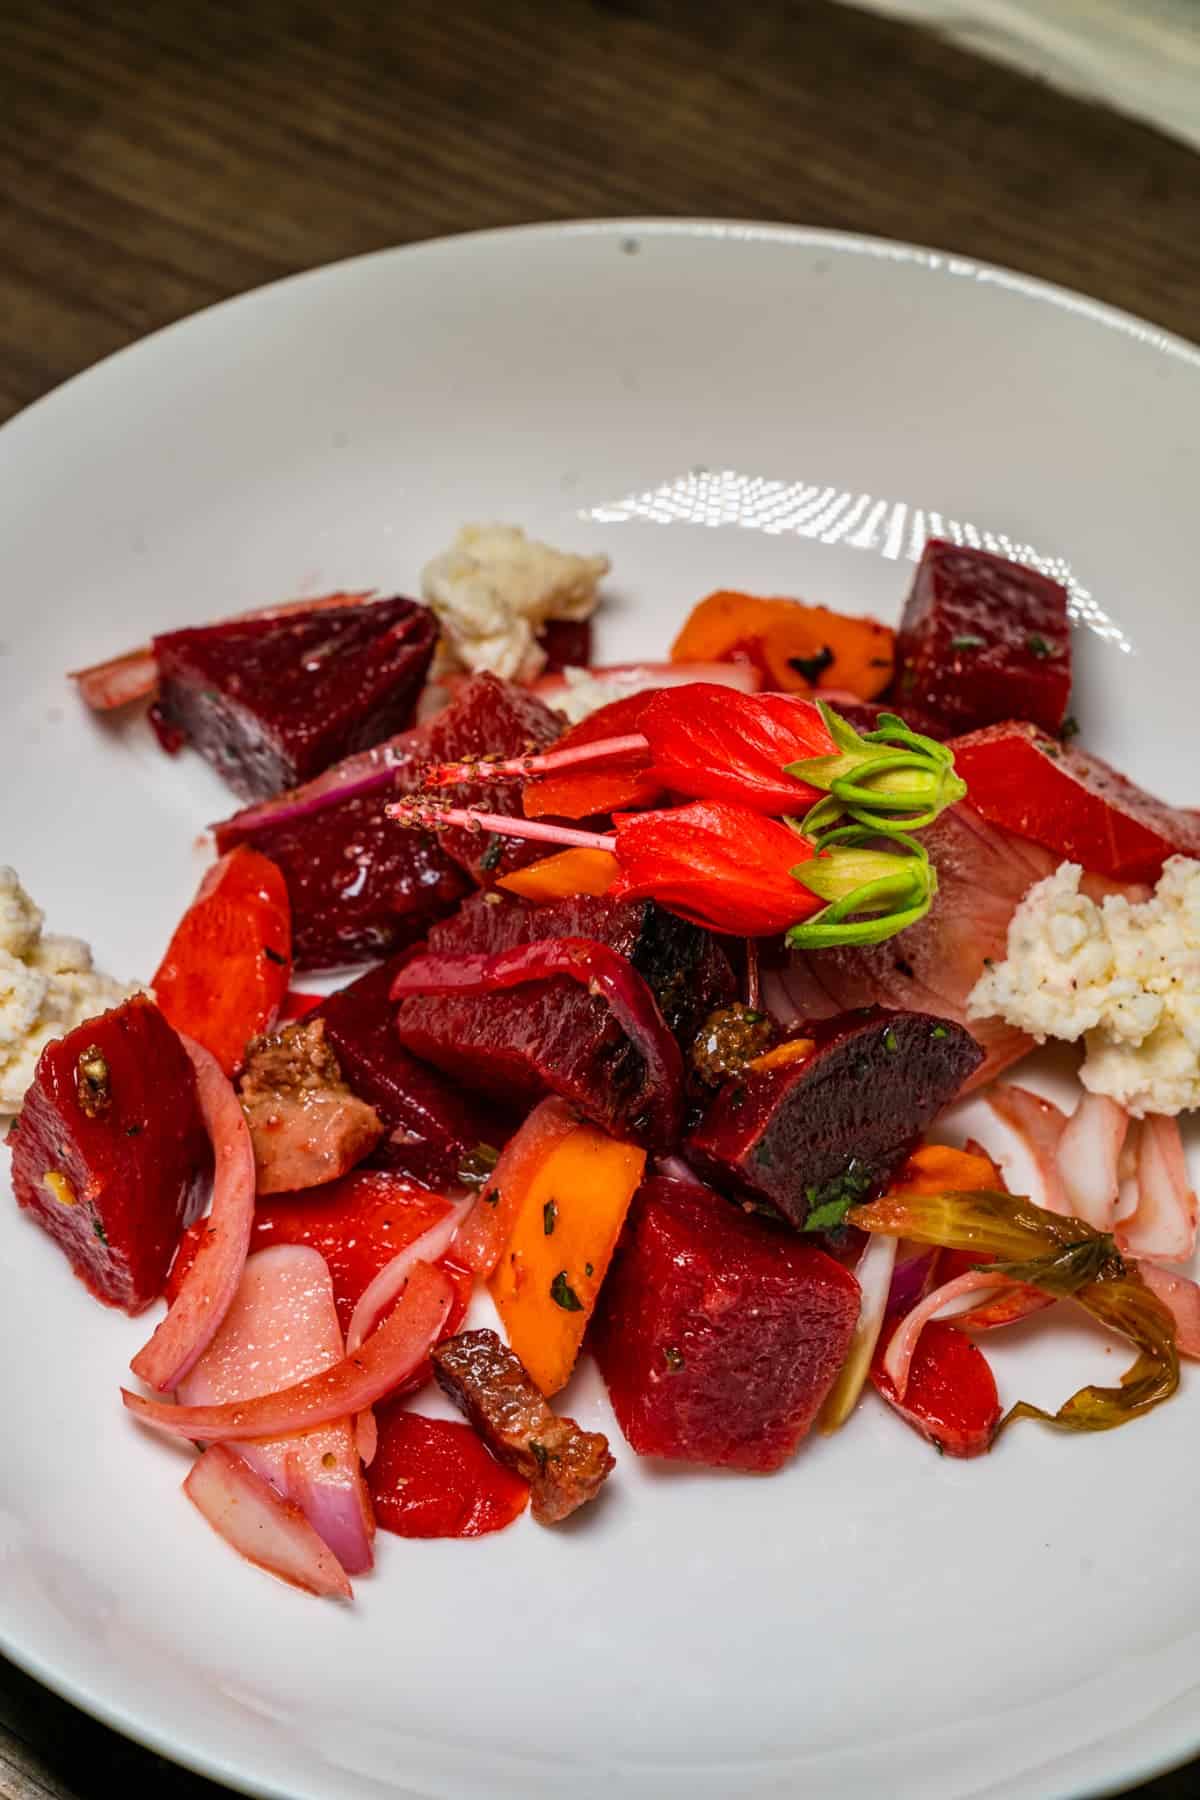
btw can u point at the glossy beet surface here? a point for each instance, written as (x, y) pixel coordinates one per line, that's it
(490, 717)
(554, 1036)
(271, 702)
(432, 1124)
(983, 639)
(1072, 803)
(110, 1154)
(719, 1334)
(830, 1127)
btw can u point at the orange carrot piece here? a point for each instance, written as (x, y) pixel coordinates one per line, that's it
(799, 648)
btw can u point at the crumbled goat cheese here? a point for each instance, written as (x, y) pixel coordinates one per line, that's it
(47, 987)
(495, 588)
(1124, 975)
(583, 693)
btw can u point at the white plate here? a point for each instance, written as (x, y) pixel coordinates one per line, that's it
(787, 411)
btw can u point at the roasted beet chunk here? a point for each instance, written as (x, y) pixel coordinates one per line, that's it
(490, 717)
(432, 1127)
(306, 1126)
(358, 885)
(554, 1036)
(271, 702)
(564, 1466)
(814, 1133)
(110, 1154)
(983, 639)
(719, 1334)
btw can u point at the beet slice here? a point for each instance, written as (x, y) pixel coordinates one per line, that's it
(1072, 803)
(490, 717)
(983, 639)
(830, 1128)
(567, 644)
(431, 1125)
(110, 1154)
(719, 1335)
(271, 702)
(553, 1036)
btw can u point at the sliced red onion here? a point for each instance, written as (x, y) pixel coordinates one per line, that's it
(269, 1532)
(1181, 1297)
(366, 772)
(910, 1281)
(391, 1279)
(1040, 1125)
(282, 1327)
(1164, 1224)
(897, 1359)
(596, 966)
(675, 1169)
(389, 1356)
(874, 1274)
(207, 1289)
(1088, 1158)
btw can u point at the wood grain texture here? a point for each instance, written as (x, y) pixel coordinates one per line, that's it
(157, 156)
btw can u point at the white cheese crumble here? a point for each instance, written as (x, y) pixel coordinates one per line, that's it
(494, 589)
(47, 987)
(1124, 975)
(583, 693)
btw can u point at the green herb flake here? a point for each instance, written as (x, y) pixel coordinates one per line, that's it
(891, 1042)
(1037, 646)
(1069, 728)
(968, 641)
(563, 1294)
(812, 667)
(273, 956)
(540, 1454)
(673, 1359)
(588, 1269)
(477, 1165)
(549, 1217)
(492, 853)
(829, 1203)
(939, 1031)
(492, 1197)
(98, 1228)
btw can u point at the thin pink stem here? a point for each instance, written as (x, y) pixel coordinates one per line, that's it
(549, 762)
(430, 816)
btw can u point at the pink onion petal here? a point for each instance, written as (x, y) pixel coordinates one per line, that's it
(1088, 1158)
(874, 1275)
(366, 1437)
(1181, 1296)
(268, 1531)
(1164, 1224)
(1039, 1124)
(389, 1356)
(208, 1288)
(898, 1356)
(378, 1295)
(282, 1327)
(675, 1169)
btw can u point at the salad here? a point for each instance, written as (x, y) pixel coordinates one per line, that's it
(638, 995)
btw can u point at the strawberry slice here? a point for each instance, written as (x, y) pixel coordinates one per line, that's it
(433, 1478)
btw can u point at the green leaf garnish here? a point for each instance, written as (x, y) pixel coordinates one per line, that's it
(563, 1294)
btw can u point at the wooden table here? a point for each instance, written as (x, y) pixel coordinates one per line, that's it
(157, 157)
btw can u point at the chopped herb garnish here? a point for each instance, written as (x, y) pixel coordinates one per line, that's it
(477, 1165)
(92, 1086)
(492, 1197)
(673, 1358)
(563, 1294)
(1069, 728)
(98, 1228)
(134, 1130)
(829, 1203)
(968, 641)
(539, 1453)
(812, 667)
(939, 1031)
(1037, 646)
(891, 1042)
(273, 956)
(588, 1269)
(549, 1217)
(493, 851)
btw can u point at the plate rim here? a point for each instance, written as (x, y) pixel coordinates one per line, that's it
(81, 1692)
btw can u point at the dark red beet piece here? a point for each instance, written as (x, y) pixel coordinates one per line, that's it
(567, 643)
(553, 1036)
(490, 716)
(433, 1478)
(110, 1154)
(983, 639)
(431, 1125)
(271, 702)
(831, 1128)
(719, 1335)
(1072, 803)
